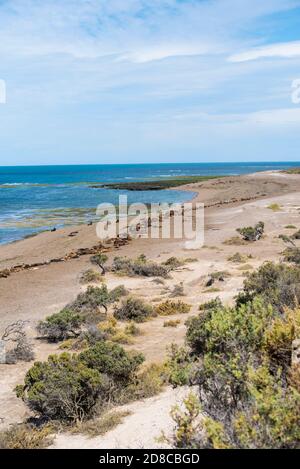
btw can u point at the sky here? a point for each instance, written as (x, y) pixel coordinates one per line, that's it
(140, 81)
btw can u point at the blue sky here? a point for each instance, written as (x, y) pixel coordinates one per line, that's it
(129, 81)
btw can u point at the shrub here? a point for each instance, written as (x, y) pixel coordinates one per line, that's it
(133, 309)
(250, 233)
(90, 276)
(237, 258)
(290, 227)
(139, 266)
(120, 337)
(272, 419)
(117, 293)
(279, 338)
(277, 284)
(147, 383)
(68, 387)
(212, 304)
(132, 329)
(168, 308)
(22, 350)
(26, 436)
(292, 255)
(63, 388)
(234, 241)
(113, 360)
(187, 424)
(274, 207)
(180, 365)
(88, 304)
(172, 323)
(60, 326)
(173, 263)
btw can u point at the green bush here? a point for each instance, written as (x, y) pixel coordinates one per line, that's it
(111, 359)
(90, 276)
(133, 309)
(277, 284)
(140, 267)
(63, 388)
(68, 387)
(60, 326)
(212, 304)
(89, 303)
(167, 308)
(180, 365)
(292, 254)
(248, 390)
(26, 436)
(99, 260)
(250, 233)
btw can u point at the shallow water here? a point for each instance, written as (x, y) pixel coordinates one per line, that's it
(36, 198)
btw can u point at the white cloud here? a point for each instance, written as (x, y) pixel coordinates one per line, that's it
(284, 50)
(162, 51)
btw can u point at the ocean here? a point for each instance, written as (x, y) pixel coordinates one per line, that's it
(37, 198)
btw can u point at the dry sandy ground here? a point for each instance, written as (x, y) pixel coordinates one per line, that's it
(34, 294)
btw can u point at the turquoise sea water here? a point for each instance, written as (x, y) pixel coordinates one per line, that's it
(35, 198)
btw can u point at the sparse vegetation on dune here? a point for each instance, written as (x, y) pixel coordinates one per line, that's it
(238, 258)
(91, 276)
(91, 303)
(168, 308)
(26, 436)
(68, 387)
(250, 233)
(274, 207)
(60, 326)
(133, 309)
(139, 267)
(98, 426)
(172, 323)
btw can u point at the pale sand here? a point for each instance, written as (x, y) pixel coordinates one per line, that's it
(34, 294)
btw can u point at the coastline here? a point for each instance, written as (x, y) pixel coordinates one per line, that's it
(36, 292)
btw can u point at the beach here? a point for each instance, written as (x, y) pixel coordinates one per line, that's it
(33, 293)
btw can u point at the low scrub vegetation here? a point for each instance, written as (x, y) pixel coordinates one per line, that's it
(133, 309)
(99, 260)
(277, 284)
(60, 326)
(250, 233)
(274, 207)
(292, 254)
(241, 359)
(91, 276)
(92, 303)
(172, 323)
(239, 258)
(139, 267)
(167, 308)
(235, 241)
(26, 436)
(18, 347)
(67, 388)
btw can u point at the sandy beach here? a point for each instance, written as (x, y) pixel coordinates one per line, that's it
(33, 293)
